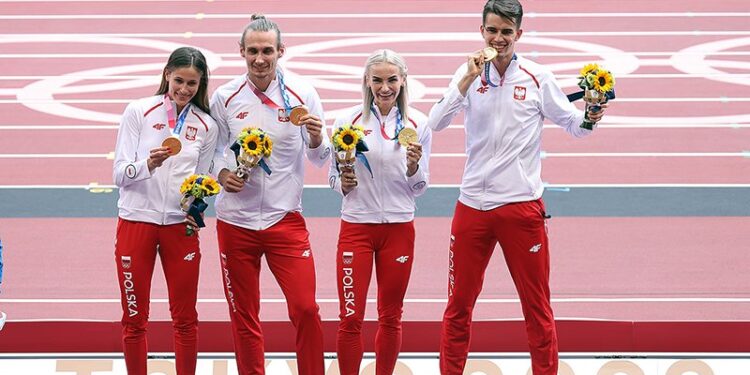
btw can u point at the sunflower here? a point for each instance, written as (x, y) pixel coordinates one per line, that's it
(603, 81)
(588, 69)
(251, 143)
(209, 186)
(187, 185)
(267, 146)
(346, 139)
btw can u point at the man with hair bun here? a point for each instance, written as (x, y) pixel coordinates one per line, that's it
(261, 216)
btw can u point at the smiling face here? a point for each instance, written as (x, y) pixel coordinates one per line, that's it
(261, 52)
(385, 82)
(501, 34)
(183, 85)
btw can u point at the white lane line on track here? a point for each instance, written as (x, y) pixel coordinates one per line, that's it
(357, 101)
(354, 15)
(434, 35)
(410, 300)
(546, 155)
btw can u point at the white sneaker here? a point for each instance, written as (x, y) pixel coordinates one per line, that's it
(2, 320)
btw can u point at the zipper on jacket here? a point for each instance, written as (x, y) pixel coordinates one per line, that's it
(381, 143)
(166, 194)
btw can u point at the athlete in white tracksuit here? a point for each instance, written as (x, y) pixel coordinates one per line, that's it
(262, 216)
(377, 213)
(151, 221)
(505, 102)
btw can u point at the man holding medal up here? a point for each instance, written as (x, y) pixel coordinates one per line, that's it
(506, 99)
(262, 214)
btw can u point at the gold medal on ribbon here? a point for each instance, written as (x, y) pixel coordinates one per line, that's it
(406, 136)
(296, 114)
(174, 145)
(489, 53)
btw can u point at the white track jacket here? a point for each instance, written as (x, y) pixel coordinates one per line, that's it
(388, 195)
(503, 128)
(265, 199)
(155, 197)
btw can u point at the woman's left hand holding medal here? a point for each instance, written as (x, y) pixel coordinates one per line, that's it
(157, 156)
(413, 154)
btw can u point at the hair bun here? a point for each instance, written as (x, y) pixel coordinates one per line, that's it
(257, 16)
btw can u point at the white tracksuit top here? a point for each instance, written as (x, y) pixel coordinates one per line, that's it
(265, 199)
(503, 128)
(155, 197)
(388, 197)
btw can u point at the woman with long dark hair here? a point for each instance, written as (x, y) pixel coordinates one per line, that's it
(163, 139)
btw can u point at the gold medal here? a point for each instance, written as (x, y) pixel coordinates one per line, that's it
(489, 53)
(174, 145)
(297, 113)
(406, 136)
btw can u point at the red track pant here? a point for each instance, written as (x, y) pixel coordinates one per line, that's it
(135, 254)
(287, 249)
(391, 248)
(520, 230)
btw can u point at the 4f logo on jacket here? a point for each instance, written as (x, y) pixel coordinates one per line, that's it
(242, 115)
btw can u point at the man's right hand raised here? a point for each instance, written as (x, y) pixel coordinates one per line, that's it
(475, 65)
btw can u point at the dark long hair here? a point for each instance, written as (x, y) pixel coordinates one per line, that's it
(186, 57)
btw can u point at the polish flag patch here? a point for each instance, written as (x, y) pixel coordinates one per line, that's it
(519, 93)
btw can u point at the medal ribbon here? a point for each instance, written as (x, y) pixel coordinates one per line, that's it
(175, 123)
(399, 124)
(268, 101)
(284, 96)
(486, 79)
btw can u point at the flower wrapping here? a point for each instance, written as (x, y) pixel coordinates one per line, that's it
(251, 149)
(598, 85)
(349, 143)
(193, 190)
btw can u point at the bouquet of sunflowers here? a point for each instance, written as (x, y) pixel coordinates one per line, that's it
(598, 86)
(349, 143)
(251, 148)
(193, 190)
